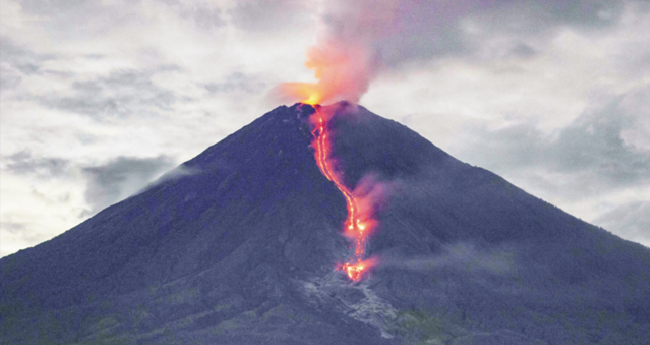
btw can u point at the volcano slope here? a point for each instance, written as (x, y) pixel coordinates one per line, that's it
(239, 246)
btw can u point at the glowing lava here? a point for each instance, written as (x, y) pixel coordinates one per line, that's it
(356, 270)
(355, 228)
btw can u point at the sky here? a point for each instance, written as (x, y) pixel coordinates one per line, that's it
(98, 98)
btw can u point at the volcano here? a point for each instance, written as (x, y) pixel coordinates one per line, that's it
(241, 244)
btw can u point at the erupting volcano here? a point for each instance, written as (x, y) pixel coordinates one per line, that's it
(239, 249)
(355, 228)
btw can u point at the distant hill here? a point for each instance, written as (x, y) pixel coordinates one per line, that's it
(241, 248)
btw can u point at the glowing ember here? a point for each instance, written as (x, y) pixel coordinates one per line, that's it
(355, 228)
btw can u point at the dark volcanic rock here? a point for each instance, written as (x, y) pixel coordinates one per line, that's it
(239, 246)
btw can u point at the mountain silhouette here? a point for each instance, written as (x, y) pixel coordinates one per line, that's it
(240, 246)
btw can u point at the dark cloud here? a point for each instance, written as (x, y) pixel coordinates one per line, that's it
(236, 82)
(591, 152)
(121, 93)
(630, 220)
(23, 163)
(120, 178)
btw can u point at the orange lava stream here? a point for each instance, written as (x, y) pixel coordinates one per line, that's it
(355, 228)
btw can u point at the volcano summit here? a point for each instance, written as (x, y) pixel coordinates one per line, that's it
(243, 248)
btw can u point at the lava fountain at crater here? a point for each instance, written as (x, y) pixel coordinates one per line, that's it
(357, 225)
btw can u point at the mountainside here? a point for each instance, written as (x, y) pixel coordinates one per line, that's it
(240, 245)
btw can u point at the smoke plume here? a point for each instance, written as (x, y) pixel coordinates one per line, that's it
(345, 59)
(362, 38)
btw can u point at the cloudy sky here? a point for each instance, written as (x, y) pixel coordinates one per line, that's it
(100, 97)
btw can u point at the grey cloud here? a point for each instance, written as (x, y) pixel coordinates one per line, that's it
(17, 61)
(9, 78)
(86, 138)
(122, 93)
(264, 15)
(120, 178)
(94, 56)
(424, 31)
(236, 82)
(13, 227)
(17, 57)
(522, 50)
(98, 17)
(590, 153)
(630, 220)
(506, 149)
(84, 18)
(594, 140)
(72, 19)
(536, 16)
(204, 16)
(23, 163)
(53, 6)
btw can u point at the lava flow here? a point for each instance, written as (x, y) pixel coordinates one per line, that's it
(355, 228)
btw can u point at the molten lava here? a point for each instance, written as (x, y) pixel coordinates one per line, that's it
(356, 270)
(356, 228)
